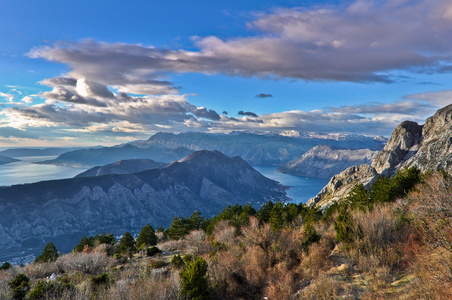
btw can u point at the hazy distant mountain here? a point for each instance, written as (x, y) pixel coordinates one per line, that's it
(325, 161)
(123, 167)
(258, 149)
(6, 160)
(107, 155)
(64, 210)
(21, 152)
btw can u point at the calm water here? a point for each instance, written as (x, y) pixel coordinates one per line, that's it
(25, 171)
(302, 188)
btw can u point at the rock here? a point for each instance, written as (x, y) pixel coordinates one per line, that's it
(340, 185)
(402, 145)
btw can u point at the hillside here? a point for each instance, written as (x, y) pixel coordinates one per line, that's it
(6, 160)
(324, 161)
(108, 155)
(123, 167)
(61, 209)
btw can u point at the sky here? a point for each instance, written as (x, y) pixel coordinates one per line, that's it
(85, 73)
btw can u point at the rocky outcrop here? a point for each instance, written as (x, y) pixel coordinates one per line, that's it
(427, 147)
(65, 210)
(434, 151)
(340, 185)
(402, 145)
(325, 161)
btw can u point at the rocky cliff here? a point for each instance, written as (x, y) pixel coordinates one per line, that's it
(426, 147)
(325, 161)
(64, 210)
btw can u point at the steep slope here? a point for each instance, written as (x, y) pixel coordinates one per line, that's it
(427, 147)
(325, 161)
(58, 210)
(123, 167)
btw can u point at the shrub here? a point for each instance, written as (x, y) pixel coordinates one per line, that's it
(344, 227)
(153, 251)
(20, 286)
(177, 261)
(5, 266)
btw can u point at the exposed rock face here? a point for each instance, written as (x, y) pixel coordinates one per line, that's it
(64, 210)
(325, 161)
(402, 145)
(340, 185)
(435, 149)
(126, 166)
(427, 147)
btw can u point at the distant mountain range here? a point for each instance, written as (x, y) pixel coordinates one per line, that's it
(324, 161)
(63, 210)
(21, 152)
(426, 147)
(257, 149)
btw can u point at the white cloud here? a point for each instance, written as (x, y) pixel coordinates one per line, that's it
(27, 99)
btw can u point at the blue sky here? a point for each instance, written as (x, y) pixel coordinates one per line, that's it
(97, 72)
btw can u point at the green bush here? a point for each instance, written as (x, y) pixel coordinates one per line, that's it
(5, 266)
(20, 286)
(177, 261)
(344, 227)
(153, 251)
(147, 237)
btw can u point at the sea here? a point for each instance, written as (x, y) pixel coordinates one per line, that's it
(27, 171)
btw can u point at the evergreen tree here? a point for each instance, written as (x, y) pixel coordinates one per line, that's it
(194, 279)
(147, 237)
(127, 244)
(49, 254)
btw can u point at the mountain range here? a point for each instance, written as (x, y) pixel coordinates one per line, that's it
(64, 210)
(257, 149)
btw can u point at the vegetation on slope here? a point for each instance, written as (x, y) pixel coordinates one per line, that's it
(391, 242)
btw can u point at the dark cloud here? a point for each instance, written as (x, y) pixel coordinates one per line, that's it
(202, 112)
(59, 81)
(247, 113)
(225, 113)
(262, 95)
(62, 94)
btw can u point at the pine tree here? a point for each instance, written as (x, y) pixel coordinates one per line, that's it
(127, 244)
(147, 237)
